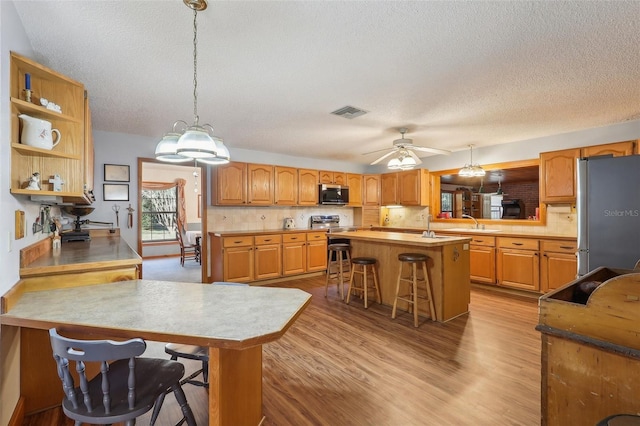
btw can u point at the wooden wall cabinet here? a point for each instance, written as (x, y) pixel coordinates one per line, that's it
(260, 184)
(354, 182)
(294, 254)
(518, 263)
(482, 257)
(229, 184)
(285, 186)
(371, 190)
(413, 187)
(558, 176)
(337, 178)
(405, 188)
(307, 187)
(267, 256)
(89, 153)
(558, 264)
(67, 158)
(389, 189)
(558, 169)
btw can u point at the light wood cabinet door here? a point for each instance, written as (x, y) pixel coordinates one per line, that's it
(285, 186)
(307, 187)
(268, 261)
(294, 258)
(316, 251)
(482, 264)
(413, 187)
(518, 269)
(340, 178)
(558, 263)
(617, 149)
(558, 176)
(389, 189)
(259, 184)
(238, 264)
(337, 178)
(354, 182)
(230, 184)
(371, 190)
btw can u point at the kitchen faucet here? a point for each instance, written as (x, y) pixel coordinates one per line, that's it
(472, 218)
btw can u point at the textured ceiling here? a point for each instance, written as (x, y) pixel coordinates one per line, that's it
(270, 72)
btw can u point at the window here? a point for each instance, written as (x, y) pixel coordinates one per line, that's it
(159, 213)
(446, 202)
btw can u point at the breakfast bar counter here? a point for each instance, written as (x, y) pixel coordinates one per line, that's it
(232, 321)
(448, 266)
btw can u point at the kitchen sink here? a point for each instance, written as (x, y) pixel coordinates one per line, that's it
(482, 231)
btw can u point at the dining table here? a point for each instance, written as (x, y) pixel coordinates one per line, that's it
(193, 237)
(233, 322)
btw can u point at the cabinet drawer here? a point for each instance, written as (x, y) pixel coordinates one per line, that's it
(237, 241)
(518, 243)
(559, 246)
(293, 238)
(316, 236)
(478, 240)
(268, 239)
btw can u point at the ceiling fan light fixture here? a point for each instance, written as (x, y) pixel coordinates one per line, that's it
(394, 164)
(407, 163)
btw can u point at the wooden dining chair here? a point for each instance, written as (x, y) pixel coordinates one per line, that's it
(126, 385)
(188, 251)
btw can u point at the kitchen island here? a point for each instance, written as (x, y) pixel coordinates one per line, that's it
(232, 321)
(448, 266)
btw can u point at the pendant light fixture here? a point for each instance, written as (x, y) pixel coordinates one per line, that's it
(195, 142)
(470, 169)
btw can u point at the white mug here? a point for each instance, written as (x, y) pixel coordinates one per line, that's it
(38, 133)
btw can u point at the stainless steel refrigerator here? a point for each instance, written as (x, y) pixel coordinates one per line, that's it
(608, 212)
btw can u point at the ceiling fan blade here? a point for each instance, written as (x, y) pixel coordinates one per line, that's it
(383, 157)
(378, 150)
(431, 150)
(414, 156)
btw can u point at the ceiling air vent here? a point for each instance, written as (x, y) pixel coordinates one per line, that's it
(349, 112)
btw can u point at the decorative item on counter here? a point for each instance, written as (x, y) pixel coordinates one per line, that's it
(57, 183)
(27, 87)
(130, 216)
(289, 223)
(116, 208)
(34, 182)
(38, 133)
(50, 105)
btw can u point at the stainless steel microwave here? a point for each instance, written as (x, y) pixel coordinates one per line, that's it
(333, 194)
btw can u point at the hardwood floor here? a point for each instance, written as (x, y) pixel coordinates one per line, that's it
(343, 365)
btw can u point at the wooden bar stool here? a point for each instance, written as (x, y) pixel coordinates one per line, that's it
(413, 260)
(341, 251)
(359, 265)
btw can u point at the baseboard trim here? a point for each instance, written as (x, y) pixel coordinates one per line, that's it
(17, 418)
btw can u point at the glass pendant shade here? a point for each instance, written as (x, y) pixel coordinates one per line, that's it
(394, 164)
(166, 149)
(196, 143)
(222, 153)
(407, 163)
(470, 169)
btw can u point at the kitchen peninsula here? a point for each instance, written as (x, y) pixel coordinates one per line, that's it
(448, 266)
(233, 322)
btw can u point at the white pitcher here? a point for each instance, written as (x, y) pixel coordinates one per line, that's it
(38, 133)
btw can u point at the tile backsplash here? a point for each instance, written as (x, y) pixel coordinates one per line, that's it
(264, 218)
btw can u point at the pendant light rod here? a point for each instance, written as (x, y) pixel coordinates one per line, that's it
(195, 66)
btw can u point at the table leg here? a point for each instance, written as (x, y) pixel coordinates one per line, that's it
(235, 387)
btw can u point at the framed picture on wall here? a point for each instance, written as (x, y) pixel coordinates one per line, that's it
(116, 172)
(115, 192)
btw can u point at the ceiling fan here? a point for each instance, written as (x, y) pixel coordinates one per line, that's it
(404, 148)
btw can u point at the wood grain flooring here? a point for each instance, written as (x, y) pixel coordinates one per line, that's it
(343, 365)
